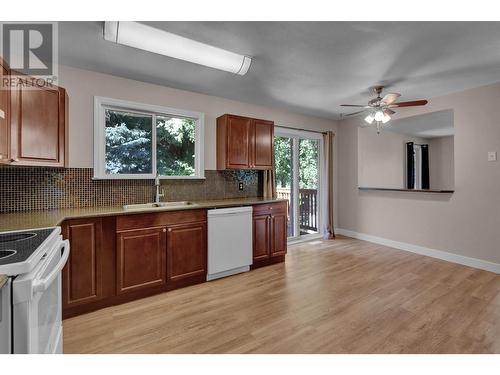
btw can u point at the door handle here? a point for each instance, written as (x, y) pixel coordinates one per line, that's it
(43, 284)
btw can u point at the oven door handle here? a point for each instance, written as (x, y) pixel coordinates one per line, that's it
(43, 284)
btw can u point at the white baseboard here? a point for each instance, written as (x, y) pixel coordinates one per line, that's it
(439, 254)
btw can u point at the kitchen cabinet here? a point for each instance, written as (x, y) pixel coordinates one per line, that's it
(244, 143)
(269, 233)
(38, 125)
(121, 258)
(187, 251)
(4, 116)
(141, 260)
(261, 236)
(88, 274)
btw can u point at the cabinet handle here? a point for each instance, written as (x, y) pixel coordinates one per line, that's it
(170, 229)
(14, 159)
(164, 230)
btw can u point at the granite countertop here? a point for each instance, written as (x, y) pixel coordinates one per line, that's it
(3, 280)
(51, 218)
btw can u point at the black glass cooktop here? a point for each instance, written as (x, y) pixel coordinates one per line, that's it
(18, 246)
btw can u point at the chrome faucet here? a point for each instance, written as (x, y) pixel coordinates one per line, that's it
(159, 191)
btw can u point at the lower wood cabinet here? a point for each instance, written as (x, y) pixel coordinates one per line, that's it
(119, 259)
(83, 271)
(88, 276)
(122, 258)
(269, 233)
(141, 259)
(261, 236)
(187, 251)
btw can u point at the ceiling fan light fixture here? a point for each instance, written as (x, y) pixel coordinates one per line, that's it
(386, 118)
(370, 118)
(379, 116)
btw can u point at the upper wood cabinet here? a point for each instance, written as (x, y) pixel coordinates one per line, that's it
(244, 143)
(38, 127)
(4, 116)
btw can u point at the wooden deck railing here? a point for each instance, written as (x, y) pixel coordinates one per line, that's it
(308, 203)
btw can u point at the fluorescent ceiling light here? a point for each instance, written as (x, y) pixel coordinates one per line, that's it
(137, 35)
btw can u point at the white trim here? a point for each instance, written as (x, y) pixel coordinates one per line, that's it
(433, 253)
(102, 103)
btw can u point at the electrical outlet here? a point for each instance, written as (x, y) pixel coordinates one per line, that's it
(240, 186)
(492, 156)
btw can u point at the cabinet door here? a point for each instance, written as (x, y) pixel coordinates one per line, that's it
(38, 120)
(141, 259)
(279, 234)
(4, 117)
(261, 237)
(263, 143)
(83, 273)
(187, 250)
(238, 142)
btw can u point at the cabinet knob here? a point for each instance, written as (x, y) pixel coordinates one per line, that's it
(170, 229)
(164, 230)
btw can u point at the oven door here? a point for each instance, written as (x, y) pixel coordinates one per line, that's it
(5, 324)
(37, 305)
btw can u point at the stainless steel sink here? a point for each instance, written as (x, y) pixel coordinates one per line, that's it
(146, 206)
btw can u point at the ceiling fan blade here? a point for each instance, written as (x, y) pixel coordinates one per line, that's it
(413, 103)
(352, 105)
(353, 114)
(390, 98)
(389, 112)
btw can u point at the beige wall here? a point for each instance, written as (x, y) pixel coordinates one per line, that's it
(441, 162)
(83, 85)
(466, 222)
(382, 158)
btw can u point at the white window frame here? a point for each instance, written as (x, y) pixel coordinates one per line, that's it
(296, 134)
(103, 103)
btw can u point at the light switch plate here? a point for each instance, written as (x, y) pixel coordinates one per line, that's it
(492, 156)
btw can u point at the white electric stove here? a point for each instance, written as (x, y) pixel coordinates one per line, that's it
(31, 299)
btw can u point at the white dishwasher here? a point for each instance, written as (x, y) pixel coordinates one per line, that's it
(229, 241)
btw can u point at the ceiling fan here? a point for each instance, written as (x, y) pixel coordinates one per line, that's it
(379, 109)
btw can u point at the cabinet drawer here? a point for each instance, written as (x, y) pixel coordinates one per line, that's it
(260, 209)
(149, 219)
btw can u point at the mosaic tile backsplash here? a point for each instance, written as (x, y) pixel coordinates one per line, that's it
(35, 188)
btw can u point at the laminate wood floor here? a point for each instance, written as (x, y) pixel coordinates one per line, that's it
(341, 296)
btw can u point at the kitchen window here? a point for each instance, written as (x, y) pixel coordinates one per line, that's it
(134, 140)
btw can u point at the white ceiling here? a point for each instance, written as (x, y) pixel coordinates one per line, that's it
(429, 125)
(306, 67)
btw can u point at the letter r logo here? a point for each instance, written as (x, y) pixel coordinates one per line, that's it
(29, 47)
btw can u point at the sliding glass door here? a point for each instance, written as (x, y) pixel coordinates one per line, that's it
(298, 179)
